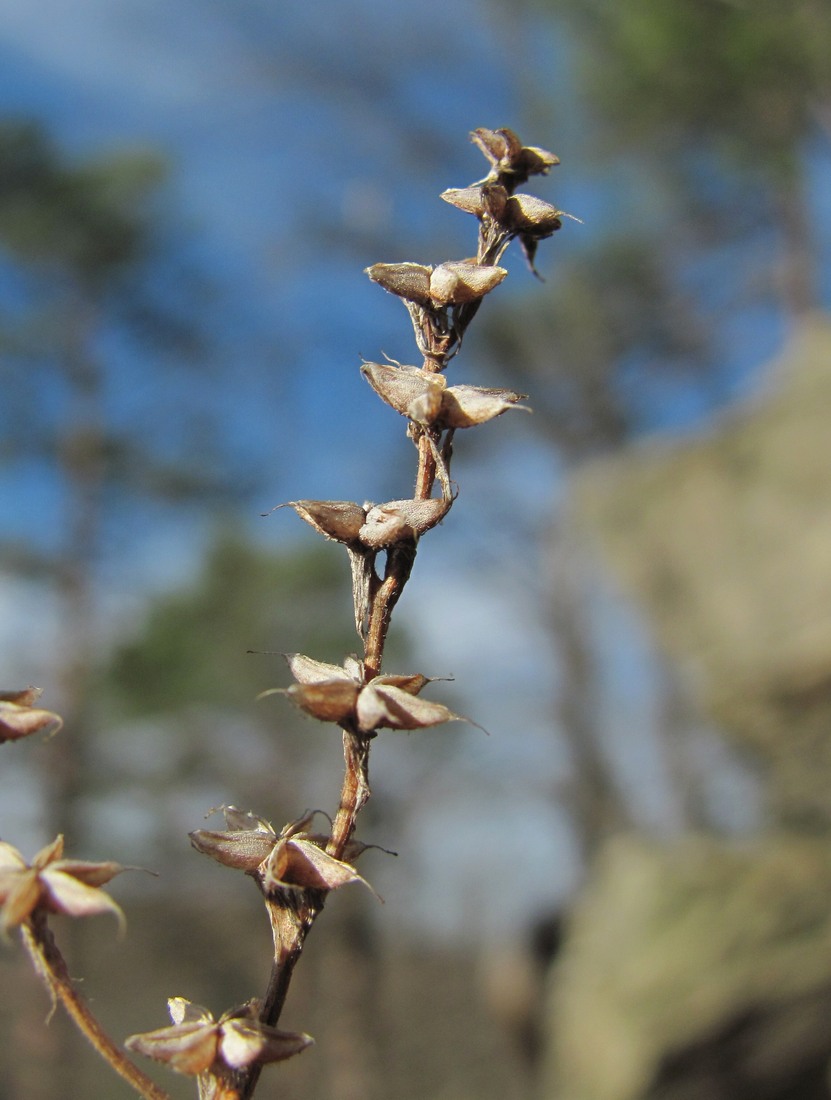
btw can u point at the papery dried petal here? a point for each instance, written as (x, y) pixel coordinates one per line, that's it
(533, 216)
(62, 893)
(20, 719)
(244, 1042)
(400, 386)
(330, 701)
(407, 280)
(190, 1048)
(340, 520)
(49, 853)
(468, 199)
(412, 684)
(184, 1011)
(468, 406)
(10, 858)
(401, 521)
(389, 707)
(306, 670)
(244, 850)
(90, 873)
(459, 282)
(300, 862)
(21, 893)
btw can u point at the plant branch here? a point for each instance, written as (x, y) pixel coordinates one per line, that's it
(51, 966)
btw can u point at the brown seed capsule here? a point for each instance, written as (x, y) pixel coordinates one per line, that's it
(459, 282)
(532, 216)
(467, 406)
(407, 280)
(340, 520)
(401, 520)
(400, 386)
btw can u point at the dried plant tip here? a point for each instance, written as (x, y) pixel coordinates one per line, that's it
(19, 717)
(407, 280)
(509, 157)
(401, 521)
(197, 1043)
(53, 884)
(459, 282)
(340, 520)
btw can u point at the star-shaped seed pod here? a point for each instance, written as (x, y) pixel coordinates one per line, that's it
(294, 857)
(371, 526)
(511, 161)
(19, 717)
(197, 1044)
(53, 884)
(453, 283)
(335, 693)
(427, 399)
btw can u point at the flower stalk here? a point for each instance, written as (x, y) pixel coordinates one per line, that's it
(296, 867)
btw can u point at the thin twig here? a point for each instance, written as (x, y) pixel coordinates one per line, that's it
(50, 964)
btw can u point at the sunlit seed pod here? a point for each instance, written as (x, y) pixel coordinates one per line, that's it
(468, 406)
(340, 520)
(457, 282)
(468, 199)
(401, 521)
(400, 386)
(407, 280)
(332, 701)
(533, 216)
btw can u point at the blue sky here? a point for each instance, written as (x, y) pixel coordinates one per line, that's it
(287, 136)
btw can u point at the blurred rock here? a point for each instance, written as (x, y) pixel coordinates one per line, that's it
(697, 971)
(725, 541)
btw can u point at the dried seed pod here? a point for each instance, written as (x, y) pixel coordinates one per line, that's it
(484, 200)
(463, 281)
(340, 520)
(510, 158)
(530, 215)
(467, 406)
(400, 386)
(328, 701)
(401, 521)
(407, 280)
(391, 707)
(19, 717)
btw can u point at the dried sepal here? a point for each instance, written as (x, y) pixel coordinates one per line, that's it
(339, 520)
(331, 701)
(198, 1044)
(19, 717)
(459, 282)
(532, 216)
(407, 280)
(401, 521)
(53, 884)
(300, 860)
(468, 406)
(403, 387)
(390, 707)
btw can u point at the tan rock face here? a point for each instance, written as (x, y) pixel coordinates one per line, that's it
(725, 540)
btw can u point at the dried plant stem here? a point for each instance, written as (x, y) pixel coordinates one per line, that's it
(50, 964)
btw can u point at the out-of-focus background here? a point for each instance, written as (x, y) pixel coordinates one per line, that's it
(624, 892)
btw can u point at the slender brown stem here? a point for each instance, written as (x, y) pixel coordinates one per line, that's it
(400, 560)
(50, 964)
